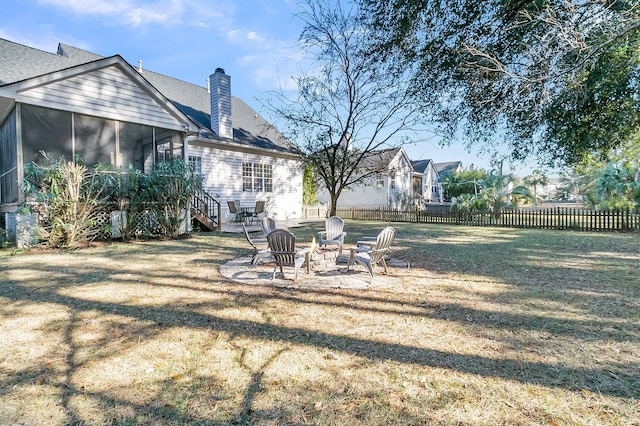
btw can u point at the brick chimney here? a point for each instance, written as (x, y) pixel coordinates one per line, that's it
(220, 94)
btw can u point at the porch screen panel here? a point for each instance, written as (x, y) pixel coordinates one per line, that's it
(46, 130)
(8, 160)
(136, 145)
(169, 145)
(95, 139)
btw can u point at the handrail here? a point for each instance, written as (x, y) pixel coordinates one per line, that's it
(209, 208)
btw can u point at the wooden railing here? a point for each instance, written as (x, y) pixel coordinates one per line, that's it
(539, 218)
(206, 210)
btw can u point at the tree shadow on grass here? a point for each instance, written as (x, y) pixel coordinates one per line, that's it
(545, 374)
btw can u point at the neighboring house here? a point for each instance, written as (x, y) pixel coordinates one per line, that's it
(101, 108)
(392, 188)
(426, 186)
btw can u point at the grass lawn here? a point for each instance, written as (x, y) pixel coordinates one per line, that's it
(490, 326)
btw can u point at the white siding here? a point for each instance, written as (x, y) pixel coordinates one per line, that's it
(364, 195)
(367, 194)
(107, 93)
(222, 172)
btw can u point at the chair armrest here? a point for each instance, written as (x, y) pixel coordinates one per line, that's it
(366, 243)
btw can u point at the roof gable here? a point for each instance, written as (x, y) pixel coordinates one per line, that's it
(107, 88)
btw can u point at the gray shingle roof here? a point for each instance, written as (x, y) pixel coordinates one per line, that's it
(420, 165)
(19, 62)
(448, 167)
(379, 159)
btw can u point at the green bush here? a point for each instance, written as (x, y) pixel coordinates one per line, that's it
(70, 196)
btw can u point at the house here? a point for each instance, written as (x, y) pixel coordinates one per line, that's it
(426, 185)
(75, 102)
(392, 187)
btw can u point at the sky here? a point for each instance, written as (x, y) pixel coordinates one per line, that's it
(254, 41)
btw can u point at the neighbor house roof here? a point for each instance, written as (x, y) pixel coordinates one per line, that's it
(19, 62)
(448, 167)
(420, 165)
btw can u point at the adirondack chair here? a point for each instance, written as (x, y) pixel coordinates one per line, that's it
(369, 252)
(260, 247)
(268, 225)
(283, 249)
(333, 233)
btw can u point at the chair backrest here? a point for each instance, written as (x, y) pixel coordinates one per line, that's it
(383, 242)
(268, 225)
(246, 234)
(334, 226)
(259, 208)
(232, 206)
(283, 247)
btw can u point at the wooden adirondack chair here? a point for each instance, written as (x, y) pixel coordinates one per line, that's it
(283, 249)
(268, 225)
(333, 233)
(371, 252)
(259, 245)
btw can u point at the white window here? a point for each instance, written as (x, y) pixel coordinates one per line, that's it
(257, 177)
(196, 163)
(392, 179)
(379, 180)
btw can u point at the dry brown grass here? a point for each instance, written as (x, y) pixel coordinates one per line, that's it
(490, 326)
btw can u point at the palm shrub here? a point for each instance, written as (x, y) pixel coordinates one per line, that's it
(618, 187)
(500, 191)
(123, 191)
(68, 196)
(168, 191)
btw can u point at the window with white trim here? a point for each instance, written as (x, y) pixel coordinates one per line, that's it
(257, 177)
(379, 180)
(196, 163)
(392, 179)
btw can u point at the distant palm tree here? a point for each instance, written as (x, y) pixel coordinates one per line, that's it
(534, 179)
(499, 190)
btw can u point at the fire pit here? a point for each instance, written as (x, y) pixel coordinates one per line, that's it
(322, 258)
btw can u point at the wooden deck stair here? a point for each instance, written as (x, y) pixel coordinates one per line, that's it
(206, 210)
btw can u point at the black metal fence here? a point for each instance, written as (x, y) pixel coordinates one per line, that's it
(535, 218)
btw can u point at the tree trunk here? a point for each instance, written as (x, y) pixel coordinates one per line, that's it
(334, 201)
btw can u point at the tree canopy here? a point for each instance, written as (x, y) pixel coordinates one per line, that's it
(555, 78)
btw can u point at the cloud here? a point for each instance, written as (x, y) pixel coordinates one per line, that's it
(137, 12)
(252, 35)
(95, 7)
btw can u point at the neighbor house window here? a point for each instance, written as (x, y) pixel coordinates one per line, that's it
(257, 177)
(379, 180)
(196, 163)
(392, 180)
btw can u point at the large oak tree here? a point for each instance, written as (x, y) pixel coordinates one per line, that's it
(557, 78)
